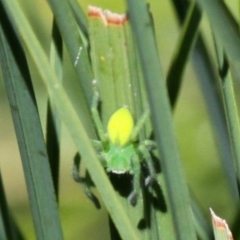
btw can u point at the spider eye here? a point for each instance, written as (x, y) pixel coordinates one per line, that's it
(120, 126)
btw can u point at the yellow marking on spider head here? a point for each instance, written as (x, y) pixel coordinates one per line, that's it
(120, 126)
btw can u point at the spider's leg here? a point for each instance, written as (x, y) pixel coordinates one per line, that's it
(98, 146)
(140, 124)
(86, 181)
(143, 148)
(75, 169)
(136, 180)
(151, 146)
(87, 191)
(95, 115)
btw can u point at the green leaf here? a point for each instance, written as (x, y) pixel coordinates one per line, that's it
(189, 33)
(5, 224)
(111, 46)
(224, 26)
(203, 229)
(29, 134)
(230, 106)
(75, 45)
(8, 228)
(80, 17)
(102, 66)
(53, 120)
(162, 119)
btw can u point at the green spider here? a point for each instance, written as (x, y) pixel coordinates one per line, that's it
(119, 150)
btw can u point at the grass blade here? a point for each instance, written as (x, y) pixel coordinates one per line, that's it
(110, 47)
(224, 26)
(77, 51)
(230, 105)
(183, 49)
(30, 137)
(162, 119)
(102, 69)
(80, 17)
(8, 228)
(53, 120)
(5, 224)
(75, 45)
(203, 229)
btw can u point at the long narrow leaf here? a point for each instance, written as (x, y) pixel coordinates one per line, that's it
(53, 120)
(187, 40)
(29, 134)
(77, 51)
(230, 105)
(8, 228)
(224, 26)
(80, 17)
(162, 119)
(74, 43)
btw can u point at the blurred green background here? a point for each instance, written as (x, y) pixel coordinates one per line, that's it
(80, 220)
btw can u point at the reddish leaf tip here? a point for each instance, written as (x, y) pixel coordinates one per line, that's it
(96, 12)
(220, 223)
(107, 17)
(115, 18)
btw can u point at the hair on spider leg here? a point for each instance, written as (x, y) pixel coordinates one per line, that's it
(85, 181)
